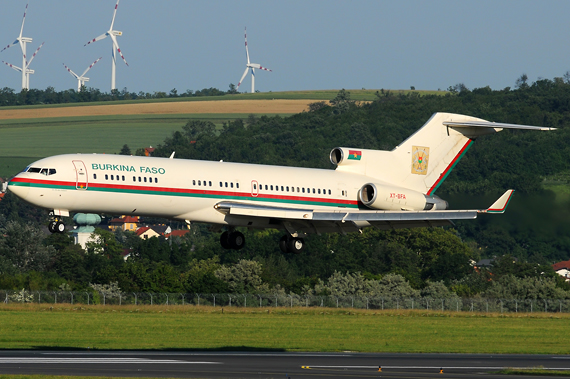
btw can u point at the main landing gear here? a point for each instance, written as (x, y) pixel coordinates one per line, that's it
(232, 240)
(291, 245)
(56, 226)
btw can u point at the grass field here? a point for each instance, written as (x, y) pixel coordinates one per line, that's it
(278, 329)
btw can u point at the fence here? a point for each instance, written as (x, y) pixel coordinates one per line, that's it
(293, 300)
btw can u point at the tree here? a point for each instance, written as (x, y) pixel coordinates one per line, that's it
(125, 150)
(22, 248)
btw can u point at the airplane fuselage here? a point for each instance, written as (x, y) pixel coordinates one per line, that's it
(178, 188)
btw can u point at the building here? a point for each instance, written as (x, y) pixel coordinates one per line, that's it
(563, 269)
(129, 223)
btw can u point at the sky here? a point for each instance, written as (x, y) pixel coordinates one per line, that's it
(309, 44)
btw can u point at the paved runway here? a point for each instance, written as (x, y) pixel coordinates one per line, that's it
(178, 364)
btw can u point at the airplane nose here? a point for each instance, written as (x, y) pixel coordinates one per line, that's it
(19, 189)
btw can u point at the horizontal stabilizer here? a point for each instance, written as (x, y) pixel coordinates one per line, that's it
(487, 124)
(500, 205)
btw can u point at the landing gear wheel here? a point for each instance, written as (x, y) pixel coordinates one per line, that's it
(283, 244)
(295, 245)
(237, 240)
(59, 227)
(225, 240)
(51, 226)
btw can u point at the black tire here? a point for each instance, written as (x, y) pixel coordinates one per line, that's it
(225, 240)
(283, 244)
(296, 245)
(59, 227)
(237, 240)
(51, 226)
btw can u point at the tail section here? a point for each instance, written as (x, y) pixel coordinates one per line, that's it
(423, 161)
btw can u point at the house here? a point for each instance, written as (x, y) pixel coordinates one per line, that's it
(563, 269)
(147, 232)
(124, 222)
(148, 151)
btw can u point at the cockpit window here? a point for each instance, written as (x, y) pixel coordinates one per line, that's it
(45, 171)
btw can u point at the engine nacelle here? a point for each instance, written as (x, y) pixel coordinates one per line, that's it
(384, 197)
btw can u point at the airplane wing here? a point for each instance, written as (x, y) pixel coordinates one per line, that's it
(347, 219)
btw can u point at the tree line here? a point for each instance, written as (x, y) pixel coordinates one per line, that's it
(9, 97)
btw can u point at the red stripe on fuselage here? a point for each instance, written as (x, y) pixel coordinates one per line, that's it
(245, 195)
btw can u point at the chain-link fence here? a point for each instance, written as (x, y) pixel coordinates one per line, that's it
(283, 300)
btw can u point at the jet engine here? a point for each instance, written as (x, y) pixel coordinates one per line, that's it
(385, 197)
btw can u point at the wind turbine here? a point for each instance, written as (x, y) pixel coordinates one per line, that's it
(113, 34)
(25, 64)
(249, 65)
(26, 71)
(81, 79)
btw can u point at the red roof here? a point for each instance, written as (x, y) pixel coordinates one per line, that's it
(142, 230)
(177, 233)
(561, 265)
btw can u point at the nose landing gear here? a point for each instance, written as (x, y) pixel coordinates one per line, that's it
(56, 226)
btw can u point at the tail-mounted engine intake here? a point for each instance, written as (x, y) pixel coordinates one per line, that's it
(378, 196)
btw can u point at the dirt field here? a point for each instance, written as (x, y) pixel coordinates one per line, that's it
(220, 106)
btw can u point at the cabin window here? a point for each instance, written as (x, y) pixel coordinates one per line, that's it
(298, 189)
(193, 182)
(266, 187)
(254, 187)
(112, 177)
(282, 188)
(106, 177)
(313, 190)
(94, 176)
(329, 192)
(221, 184)
(123, 178)
(237, 185)
(51, 171)
(210, 184)
(303, 189)
(150, 180)
(232, 185)
(34, 169)
(140, 179)
(199, 182)
(134, 178)
(287, 188)
(226, 183)
(319, 191)
(156, 180)
(145, 179)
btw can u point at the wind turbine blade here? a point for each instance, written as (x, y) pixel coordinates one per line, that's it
(114, 14)
(246, 49)
(117, 47)
(12, 66)
(243, 76)
(71, 72)
(10, 45)
(33, 56)
(89, 68)
(96, 39)
(23, 20)
(255, 65)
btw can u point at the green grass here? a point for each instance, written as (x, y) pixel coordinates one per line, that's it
(26, 140)
(278, 329)
(536, 371)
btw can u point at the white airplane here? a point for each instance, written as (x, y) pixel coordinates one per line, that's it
(382, 189)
